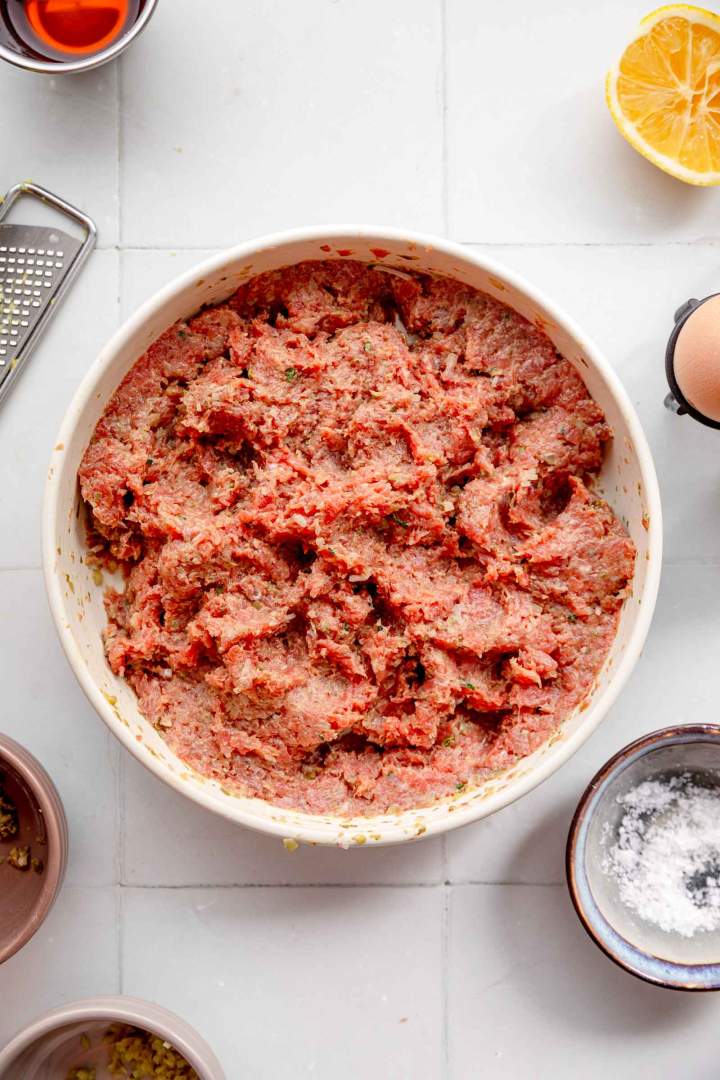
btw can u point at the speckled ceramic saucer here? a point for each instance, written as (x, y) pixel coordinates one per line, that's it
(665, 958)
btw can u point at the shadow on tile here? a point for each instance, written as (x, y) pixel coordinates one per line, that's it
(522, 844)
(649, 203)
(539, 857)
(565, 973)
(171, 841)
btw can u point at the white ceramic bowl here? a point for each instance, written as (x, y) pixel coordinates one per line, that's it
(628, 481)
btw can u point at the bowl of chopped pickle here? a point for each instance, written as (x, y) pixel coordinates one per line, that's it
(33, 846)
(109, 1038)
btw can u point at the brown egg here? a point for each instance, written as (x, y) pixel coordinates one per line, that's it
(696, 360)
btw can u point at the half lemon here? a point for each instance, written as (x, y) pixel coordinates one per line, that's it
(664, 93)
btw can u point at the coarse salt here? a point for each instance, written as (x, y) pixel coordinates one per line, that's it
(666, 855)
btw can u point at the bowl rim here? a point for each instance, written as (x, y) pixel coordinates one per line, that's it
(126, 1009)
(95, 60)
(668, 974)
(311, 831)
(13, 755)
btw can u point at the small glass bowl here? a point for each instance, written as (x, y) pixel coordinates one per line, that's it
(15, 54)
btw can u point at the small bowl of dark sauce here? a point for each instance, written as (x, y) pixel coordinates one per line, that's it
(57, 37)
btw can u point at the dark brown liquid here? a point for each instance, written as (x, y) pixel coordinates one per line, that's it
(66, 29)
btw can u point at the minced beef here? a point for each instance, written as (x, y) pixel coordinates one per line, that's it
(365, 567)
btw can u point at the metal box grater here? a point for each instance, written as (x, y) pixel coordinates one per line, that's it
(37, 266)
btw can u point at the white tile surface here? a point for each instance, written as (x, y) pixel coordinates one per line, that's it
(143, 272)
(44, 708)
(73, 955)
(301, 113)
(62, 133)
(530, 996)
(533, 154)
(297, 982)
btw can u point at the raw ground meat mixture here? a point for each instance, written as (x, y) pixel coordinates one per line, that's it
(364, 566)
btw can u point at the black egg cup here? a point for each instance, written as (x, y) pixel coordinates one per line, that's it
(675, 400)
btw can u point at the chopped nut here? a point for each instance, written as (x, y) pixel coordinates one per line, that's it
(8, 817)
(19, 857)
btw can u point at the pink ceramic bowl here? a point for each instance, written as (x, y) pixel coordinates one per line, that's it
(27, 895)
(57, 1041)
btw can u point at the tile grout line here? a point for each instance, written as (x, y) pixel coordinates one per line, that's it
(612, 244)
(445, 886)
(238, 886)
(515, 244)
(120, 938)
(444, 117)
(445, 977)
(444, 959)
(121, 860)
(475, 884)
